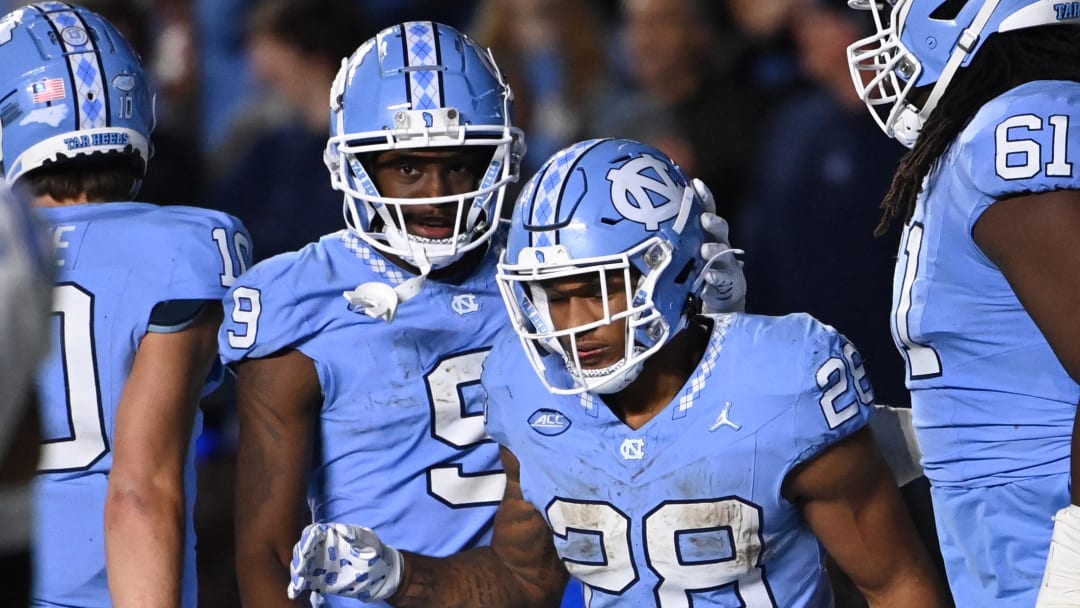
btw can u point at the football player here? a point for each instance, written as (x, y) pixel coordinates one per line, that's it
(661, 457)
(25, 290)
(362, 403)
(135, 314)
(986, 94)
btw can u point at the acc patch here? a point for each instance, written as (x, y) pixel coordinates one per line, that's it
(549, 422)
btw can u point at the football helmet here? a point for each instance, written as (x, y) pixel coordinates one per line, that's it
(421, 85)
(920, 43)
(602, 208)
(73, 88)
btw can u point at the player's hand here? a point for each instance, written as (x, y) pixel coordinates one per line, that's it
(721, 285)
(345, 560)
(1061, 579)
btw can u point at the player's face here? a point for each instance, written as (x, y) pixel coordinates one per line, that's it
(664, 38)
(578, 301)
(425, 173)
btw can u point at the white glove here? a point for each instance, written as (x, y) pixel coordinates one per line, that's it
(1061, 579)
(344, 560)
(895, 437)
(721, 284)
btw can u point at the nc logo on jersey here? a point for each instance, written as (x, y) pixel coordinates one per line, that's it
(549, 422)
(643, 191)
(465, 303)
(632, 449)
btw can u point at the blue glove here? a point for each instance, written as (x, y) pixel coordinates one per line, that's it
(721, 284)
(345, 560)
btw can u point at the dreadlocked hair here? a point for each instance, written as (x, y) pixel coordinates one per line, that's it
(1005, 61)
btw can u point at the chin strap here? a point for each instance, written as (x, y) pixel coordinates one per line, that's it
(380, 301)
(912, 124)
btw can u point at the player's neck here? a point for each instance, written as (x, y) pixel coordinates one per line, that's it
(664, 375)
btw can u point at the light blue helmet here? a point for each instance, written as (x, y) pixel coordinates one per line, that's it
(421, 85)
(70, 87)
(600, 208)
(924, 42)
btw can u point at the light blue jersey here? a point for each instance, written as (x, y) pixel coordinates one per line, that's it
(992, 403)
(401, 441)
(115, 262)
(687, 510)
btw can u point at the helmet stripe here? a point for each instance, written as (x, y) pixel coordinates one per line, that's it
(422, 50)
(84, 68)
(548, 193)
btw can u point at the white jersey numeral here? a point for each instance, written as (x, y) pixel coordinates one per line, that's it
(832, 378)
(922, 360)
(87, 442)
(246, 310)
(661, 532)
(1022, 158)
(451, 424)
(240, 250)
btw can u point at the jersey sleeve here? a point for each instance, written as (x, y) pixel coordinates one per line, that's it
(835, 398)
(495, 380)
(204, 251)
(213, 249)
(262, 312)
(1024, 141)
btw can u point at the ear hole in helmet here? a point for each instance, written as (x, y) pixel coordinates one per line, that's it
(948, 10)
(685, 271)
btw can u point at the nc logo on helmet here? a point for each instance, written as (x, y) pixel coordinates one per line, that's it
(643, 191)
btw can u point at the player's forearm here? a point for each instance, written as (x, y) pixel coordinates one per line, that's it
(911, 584)
(914, 593)
(263, 579)
(265, 530)
(144, 546)
(268, 518)
(473, 579)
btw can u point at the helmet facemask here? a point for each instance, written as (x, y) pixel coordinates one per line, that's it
(525, 287)
(419, 99)
(885, 73)
(381, 220)
(921, 44)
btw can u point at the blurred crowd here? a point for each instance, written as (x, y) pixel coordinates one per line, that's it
(752, 96)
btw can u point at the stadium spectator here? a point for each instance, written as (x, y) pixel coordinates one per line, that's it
(270, 171)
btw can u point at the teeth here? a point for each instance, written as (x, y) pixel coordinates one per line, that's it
(425, 240)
